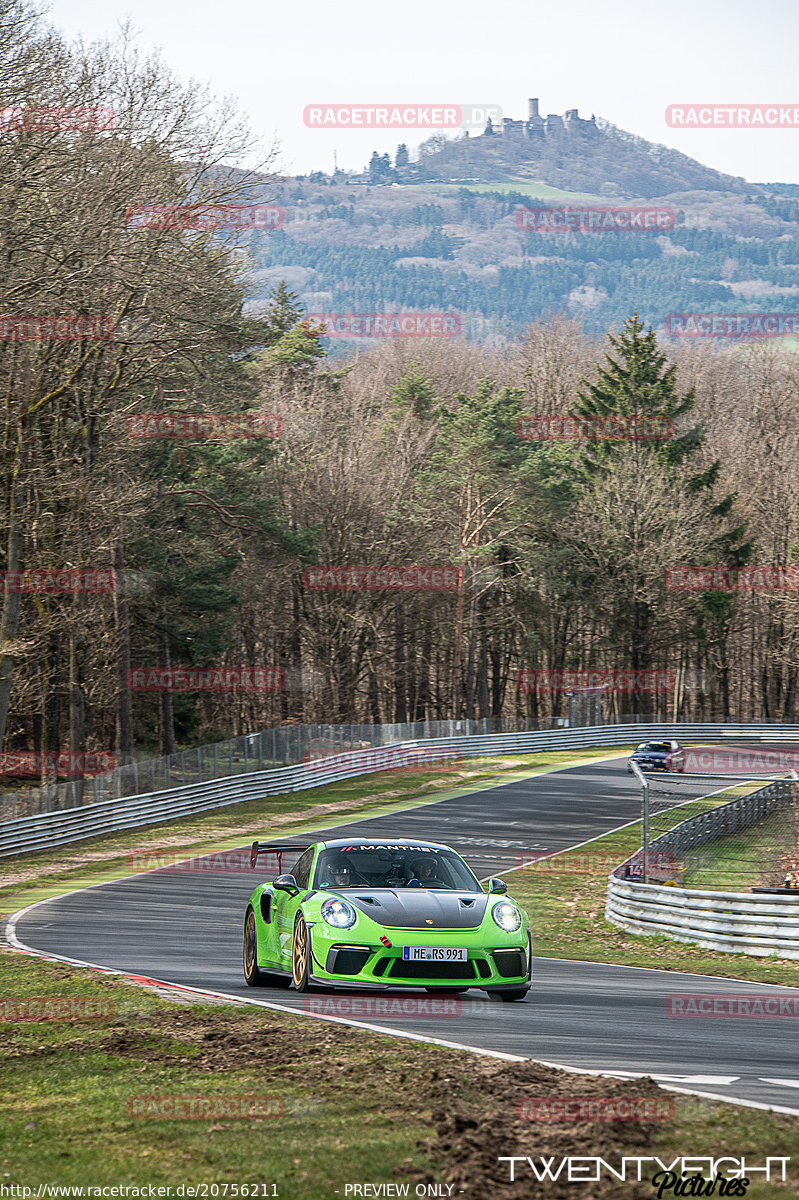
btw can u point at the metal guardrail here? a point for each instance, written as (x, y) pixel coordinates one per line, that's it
(735, 922)
(732, 921)
(285, 745)
(31, 833)
(265, 750)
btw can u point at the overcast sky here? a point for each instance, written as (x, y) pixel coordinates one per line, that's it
(623, 60)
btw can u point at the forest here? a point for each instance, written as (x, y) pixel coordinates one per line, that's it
(365, 538)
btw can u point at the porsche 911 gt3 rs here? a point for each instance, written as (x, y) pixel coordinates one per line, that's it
(380, 914)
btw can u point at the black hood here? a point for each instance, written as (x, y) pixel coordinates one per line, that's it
(419, 908)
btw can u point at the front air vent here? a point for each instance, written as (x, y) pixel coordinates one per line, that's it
(347, 960)
(420, 969)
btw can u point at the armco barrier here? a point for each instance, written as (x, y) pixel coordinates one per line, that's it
(44, 830)
(736, 922)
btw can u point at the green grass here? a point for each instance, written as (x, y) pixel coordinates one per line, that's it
(29, 878)
(750, 859)
(67, 1089)
(565, 898)
(348, 1105)
(526, 187)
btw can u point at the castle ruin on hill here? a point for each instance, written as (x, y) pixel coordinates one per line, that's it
(536, 126)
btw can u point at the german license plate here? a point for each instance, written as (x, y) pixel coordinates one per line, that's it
(434, 953)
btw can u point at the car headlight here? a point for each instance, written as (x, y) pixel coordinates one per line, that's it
(338, 913)
(507, 916)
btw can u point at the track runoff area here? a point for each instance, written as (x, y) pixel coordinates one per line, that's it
(184, 927)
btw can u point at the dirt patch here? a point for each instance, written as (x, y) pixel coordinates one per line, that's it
(475, 1106)
(469, 1144)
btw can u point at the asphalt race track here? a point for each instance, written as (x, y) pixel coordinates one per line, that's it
(184, 926)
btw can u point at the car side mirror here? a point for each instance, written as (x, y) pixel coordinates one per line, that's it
(497, 887)
(286, 883)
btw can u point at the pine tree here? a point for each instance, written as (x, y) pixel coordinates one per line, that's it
(640, 387)
(283, 311)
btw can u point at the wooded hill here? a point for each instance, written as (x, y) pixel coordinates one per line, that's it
(406, 455)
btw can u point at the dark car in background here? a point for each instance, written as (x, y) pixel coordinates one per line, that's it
(658, 756)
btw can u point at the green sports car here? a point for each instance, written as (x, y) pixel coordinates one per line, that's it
(372, 914)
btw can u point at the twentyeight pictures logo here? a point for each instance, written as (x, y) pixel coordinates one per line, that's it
(564, 218)
(387, 325)
(401, 116)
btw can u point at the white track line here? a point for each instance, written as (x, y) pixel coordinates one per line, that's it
(15, 942)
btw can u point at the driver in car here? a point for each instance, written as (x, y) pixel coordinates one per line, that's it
(425, 874)
(337, 873)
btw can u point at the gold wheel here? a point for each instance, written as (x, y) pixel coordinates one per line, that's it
(299, 958)
(252, 974)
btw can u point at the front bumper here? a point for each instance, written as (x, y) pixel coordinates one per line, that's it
(359, 965)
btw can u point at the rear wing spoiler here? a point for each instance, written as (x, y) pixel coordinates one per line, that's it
(278, 848)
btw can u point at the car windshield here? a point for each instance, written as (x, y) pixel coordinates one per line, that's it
(387, 866)
(655, 747)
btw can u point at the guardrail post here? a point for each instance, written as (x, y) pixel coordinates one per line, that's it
(644, 782)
